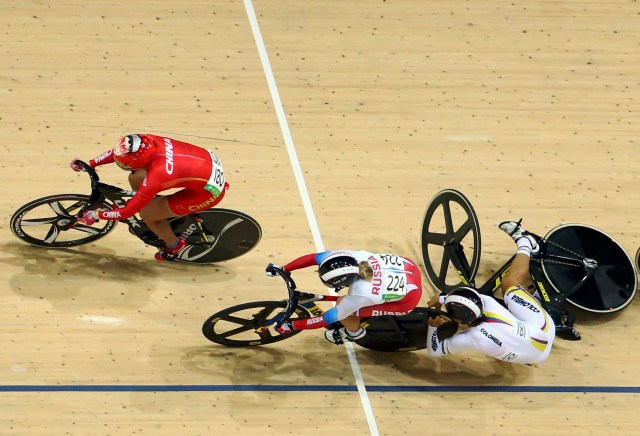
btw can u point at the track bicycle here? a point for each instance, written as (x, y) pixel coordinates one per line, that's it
(251, 324)
(213, 235)
(578, 264)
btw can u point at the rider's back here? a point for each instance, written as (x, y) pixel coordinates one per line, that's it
(504, 336)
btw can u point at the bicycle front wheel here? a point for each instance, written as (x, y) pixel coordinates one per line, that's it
(45, 222)
(243, 325)
(614, 282)
(450, 218)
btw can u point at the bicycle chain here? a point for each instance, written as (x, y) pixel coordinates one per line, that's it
(559, 262)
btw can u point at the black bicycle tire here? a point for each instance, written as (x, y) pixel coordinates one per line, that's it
(246, 231)
(18, 229)
(429, 238)
(263, 338)
(625, 283)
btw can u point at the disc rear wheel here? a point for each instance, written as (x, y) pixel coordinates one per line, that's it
(614, 282)
(216, 235)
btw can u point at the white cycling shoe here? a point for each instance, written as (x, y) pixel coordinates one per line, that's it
(338, 336)
(515, 230)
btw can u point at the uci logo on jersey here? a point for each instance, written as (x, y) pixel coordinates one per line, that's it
(168, 148)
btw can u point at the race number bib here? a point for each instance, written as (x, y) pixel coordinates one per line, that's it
(394, 283)
(394, 286)
(215, 185)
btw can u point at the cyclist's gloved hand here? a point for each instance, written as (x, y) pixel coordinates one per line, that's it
(271, 270)
(75, 165)
(284, 327)
(89, 217)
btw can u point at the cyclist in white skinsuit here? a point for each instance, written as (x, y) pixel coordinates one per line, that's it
(521, 333)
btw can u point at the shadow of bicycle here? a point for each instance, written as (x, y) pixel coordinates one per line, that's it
(309, 361)
(328, 365)
(95, 275)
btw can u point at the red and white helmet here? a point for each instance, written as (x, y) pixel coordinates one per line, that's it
(134, 152)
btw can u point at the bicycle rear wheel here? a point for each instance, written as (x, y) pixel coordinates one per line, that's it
(229, 234)
(614, 282)
(46, 222)
(243, 325)
(449, 218)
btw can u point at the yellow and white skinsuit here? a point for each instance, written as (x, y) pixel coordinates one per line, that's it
(522, 334)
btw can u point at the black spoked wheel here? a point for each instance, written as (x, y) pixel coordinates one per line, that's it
(47, 222)
(613, 284)
(450, 219)
(227, 234)
(243, 325)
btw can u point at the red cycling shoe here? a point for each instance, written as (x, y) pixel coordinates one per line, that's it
(171, 253)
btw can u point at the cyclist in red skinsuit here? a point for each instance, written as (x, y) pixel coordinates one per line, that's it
(157, 164)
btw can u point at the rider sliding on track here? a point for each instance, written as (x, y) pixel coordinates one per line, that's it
(523, 332)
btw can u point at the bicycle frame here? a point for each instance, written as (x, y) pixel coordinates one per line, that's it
(102, 192)
(552, 303)
(491, 286)
(249, 324)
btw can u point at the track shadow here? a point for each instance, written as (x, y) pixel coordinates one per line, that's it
(327, 365)
(99, 277)
(418, 367)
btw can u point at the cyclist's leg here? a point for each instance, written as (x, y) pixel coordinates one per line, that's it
(186, 201)
(155, 215)
(136, 178)
(519, 274)
(527, 308)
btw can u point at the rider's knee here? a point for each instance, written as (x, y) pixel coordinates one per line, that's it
(507, 284)
(136, 178)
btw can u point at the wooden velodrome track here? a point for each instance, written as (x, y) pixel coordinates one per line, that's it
(529, 108)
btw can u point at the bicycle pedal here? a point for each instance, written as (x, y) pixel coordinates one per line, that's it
(150, 238)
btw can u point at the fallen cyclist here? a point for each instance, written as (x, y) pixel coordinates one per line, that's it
(520, 331)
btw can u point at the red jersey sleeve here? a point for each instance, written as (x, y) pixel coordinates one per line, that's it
(103, 159)
(144, 195)
(301, 262)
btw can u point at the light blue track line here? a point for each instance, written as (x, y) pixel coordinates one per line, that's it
(322, 388)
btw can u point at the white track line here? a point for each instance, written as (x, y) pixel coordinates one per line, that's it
(284, 127)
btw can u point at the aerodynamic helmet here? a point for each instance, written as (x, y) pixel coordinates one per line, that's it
(465, 304)
(134, 152)
(339, 270)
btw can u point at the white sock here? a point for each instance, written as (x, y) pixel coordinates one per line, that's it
(352, 333)
(524, 246)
